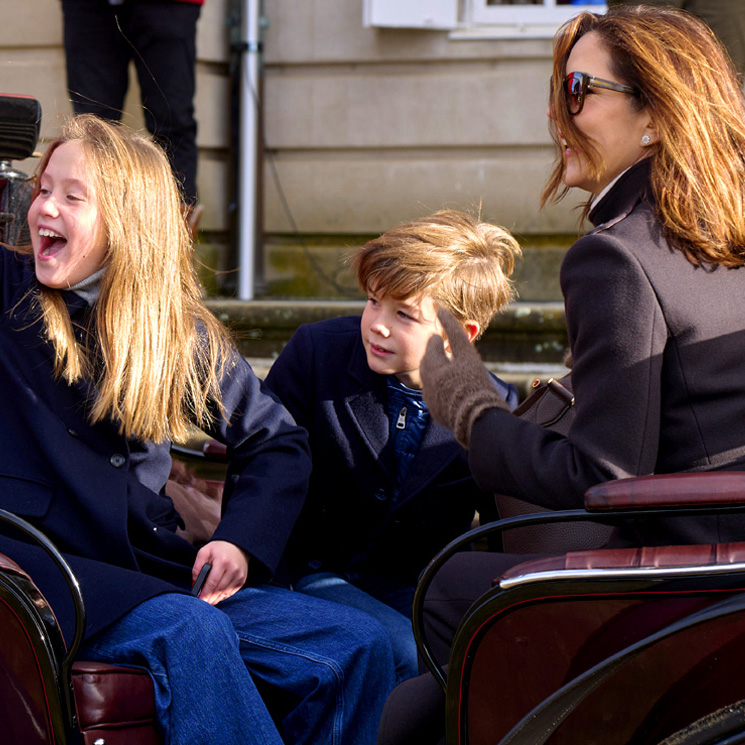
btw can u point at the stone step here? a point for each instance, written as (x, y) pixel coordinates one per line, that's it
(310, 266)
(524, 332)
(525, 342)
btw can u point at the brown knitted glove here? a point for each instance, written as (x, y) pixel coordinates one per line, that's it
(458, 390)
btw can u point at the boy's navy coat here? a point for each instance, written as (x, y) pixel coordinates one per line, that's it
(96, 494)
(351, 521)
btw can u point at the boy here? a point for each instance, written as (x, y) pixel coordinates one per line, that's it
(389, 487)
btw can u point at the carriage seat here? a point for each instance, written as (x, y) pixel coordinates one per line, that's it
(662, 491)
(114, 705)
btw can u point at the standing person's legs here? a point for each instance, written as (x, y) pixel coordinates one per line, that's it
(324, 670)
(203, 692)
(335, 588)
(164, 35)
(97, 58)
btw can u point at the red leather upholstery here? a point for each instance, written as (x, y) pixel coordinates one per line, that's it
(215, 450)
(114, 703)
(24, 692)
(668, 490)
(623, 558)
(8, 565)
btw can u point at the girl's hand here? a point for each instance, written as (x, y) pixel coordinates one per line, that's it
(228, 574)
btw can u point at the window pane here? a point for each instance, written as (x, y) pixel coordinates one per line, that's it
(546, 3)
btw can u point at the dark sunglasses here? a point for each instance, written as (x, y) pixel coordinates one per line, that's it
(577, 83)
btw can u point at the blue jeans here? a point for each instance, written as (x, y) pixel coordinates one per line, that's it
(324, 672)
(387, 602)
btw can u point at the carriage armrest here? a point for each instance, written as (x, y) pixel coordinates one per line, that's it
(207, 450)
(641, 557)
(8, 565)
(668, 490)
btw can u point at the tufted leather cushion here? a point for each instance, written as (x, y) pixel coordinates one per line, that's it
(115, 704)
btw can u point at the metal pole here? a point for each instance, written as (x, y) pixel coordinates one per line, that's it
(249, 80)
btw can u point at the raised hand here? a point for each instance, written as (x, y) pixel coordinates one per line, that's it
(457, 387)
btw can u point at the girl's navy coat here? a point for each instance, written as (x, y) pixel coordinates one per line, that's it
(351, 522)
(97, 494)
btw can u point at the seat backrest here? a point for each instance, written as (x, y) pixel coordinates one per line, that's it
(31, 651)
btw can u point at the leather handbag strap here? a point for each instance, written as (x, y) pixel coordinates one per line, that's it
(551, 404)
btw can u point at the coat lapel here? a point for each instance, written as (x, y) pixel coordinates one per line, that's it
(367, 408)
(437, 450)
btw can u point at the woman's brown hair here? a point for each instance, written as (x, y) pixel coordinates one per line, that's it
(155, 353)
(688, 84)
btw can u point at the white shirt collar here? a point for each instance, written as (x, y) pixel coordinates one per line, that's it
(606, 190)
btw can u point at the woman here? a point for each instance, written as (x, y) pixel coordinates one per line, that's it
(648, 118)
(107, 353)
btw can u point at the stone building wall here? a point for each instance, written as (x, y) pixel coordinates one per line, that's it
(362, 128)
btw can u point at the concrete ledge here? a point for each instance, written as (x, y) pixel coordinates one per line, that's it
(525, 334)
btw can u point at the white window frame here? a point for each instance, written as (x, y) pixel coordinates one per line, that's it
(517, 21)
(473, 19)
(423, 14)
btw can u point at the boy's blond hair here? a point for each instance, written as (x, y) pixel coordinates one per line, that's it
(463, 264)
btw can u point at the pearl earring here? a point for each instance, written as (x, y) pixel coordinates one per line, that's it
(646, 140)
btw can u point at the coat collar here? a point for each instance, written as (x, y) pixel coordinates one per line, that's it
(367, 407)
(632, 187)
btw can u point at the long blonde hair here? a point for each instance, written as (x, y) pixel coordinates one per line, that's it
(688, 84)
(154, 351)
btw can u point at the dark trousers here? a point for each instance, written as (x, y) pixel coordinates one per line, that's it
(415, 710)
(461, 581)
(160, 37)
